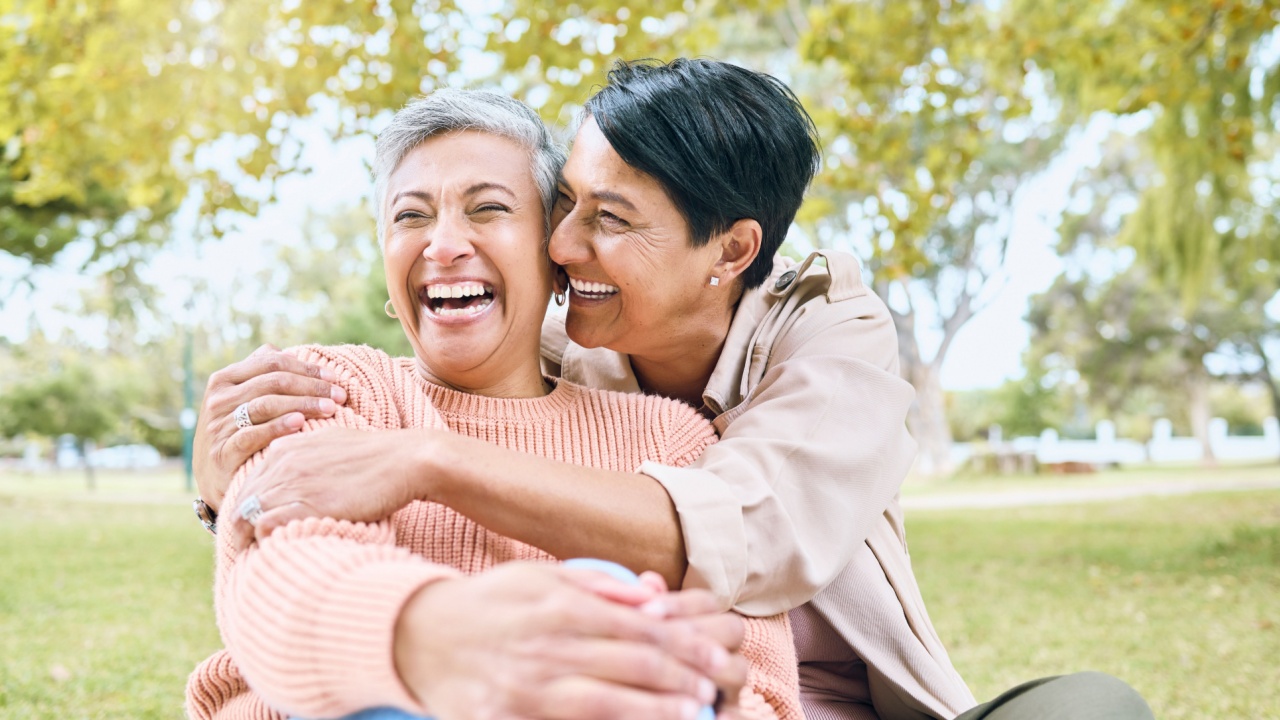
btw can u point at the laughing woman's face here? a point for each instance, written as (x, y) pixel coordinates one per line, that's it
(634, 278)
(464, 258)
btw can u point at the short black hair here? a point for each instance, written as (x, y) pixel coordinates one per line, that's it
(726, 143)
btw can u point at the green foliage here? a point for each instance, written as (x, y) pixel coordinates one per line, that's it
(107, 103)
(1200, 69)
(70, 399)
(339, 271)
(1026, 406)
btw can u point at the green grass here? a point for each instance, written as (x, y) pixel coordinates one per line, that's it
(104, 608)
(105, 605)
(1178, 596)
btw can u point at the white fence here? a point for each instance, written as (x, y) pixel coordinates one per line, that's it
(1107, 449)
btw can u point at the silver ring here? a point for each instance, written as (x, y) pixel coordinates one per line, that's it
(241, 416)
(250, 509)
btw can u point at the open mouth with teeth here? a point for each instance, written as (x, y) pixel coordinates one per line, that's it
(592, 290)
(457, 299)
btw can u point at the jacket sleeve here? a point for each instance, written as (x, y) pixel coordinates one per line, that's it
(806, 465)
(309, 613)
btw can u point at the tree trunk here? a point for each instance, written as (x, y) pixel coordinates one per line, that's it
(1198, 408)
(90, 480)
(927, 418)
(1268, 378)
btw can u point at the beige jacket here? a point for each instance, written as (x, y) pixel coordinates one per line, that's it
(797, 505)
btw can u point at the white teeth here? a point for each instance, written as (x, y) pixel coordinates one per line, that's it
(458, 312)
(460, 290)
(592, 288)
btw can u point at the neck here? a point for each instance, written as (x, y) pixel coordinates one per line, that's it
(681, 370)
(524, 382)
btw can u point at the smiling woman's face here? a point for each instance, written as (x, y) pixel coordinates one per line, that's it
(464, 260)
(635, 280)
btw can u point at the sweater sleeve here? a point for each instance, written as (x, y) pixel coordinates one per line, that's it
(772, 691)
(309, 614)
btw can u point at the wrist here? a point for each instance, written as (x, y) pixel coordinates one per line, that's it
(416, 661)
(428, 472)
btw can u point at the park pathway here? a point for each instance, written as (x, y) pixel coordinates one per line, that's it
(1072, 496)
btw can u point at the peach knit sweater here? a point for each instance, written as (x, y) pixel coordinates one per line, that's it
(308, 615)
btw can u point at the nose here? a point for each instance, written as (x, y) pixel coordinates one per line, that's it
(450, 241)
(570, 243)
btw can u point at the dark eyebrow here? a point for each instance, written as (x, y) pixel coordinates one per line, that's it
(478, 187)
(610, 196)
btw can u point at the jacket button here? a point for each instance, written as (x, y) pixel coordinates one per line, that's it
(785, 280)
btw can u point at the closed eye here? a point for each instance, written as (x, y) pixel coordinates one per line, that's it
(610, 220)
(409, 215)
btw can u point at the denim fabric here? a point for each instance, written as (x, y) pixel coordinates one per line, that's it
(381, 714)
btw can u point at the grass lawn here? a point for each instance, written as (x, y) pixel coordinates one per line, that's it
(105, 605)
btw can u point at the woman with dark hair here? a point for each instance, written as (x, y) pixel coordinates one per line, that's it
(679, 190)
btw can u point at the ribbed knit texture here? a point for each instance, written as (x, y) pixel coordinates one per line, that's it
(308, 615)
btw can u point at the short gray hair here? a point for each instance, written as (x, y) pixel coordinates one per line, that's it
(452, 110)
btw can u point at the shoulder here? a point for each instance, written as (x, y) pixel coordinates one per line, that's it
(343, 357)
(823, 305)
(675, 432)
(373, 379)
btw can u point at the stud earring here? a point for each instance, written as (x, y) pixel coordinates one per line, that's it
(390, 310)
(714, 281)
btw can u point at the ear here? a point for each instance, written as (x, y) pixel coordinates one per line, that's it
(739, 246)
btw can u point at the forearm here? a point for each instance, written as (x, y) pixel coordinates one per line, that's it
(566, 510)
(310, 619)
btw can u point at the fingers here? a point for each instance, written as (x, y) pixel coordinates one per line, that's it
(270, 407)
(579, 698)
(244, 443)
(686, 603)
(288, 383)
(267, 359)
(725, 629)
(609, 588)
(281, 516)
(636, 665)
(654, 580)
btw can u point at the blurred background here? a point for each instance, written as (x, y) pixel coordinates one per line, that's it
(1070, 206)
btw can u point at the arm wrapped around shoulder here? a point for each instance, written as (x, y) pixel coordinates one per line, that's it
(309, 614)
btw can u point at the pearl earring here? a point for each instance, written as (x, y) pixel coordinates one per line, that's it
(714, 281)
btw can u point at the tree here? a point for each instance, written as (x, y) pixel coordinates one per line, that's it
(64, 399)
(1119, 336)
(1202, 72)
(108, 105)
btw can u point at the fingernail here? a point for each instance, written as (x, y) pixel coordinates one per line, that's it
(706, 691)
(294, 421)
(654, 608)
(338, 394)
(719, 658)
(327, 406)
(328, 375)
(689, 709)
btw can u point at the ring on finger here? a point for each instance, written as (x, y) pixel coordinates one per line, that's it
(250, 509)
(241, 416)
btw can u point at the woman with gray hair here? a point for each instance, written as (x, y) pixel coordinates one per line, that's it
(426, 611)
